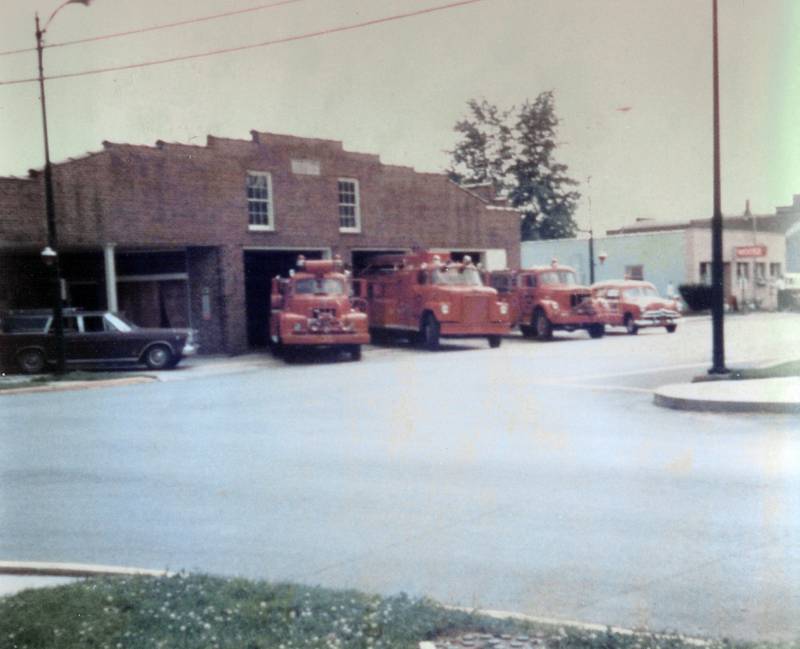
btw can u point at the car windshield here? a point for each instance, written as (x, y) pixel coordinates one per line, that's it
(314, 286)
(456, 276)
(640, 291)
(566, 277)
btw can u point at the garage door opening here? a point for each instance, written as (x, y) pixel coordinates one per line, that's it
(362, 258)
(260, 266)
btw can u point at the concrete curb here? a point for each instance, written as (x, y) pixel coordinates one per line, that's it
(760, 396)
(78, 385)
(47, 569)
(573, 624)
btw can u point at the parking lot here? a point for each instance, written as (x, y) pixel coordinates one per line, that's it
(537, 477)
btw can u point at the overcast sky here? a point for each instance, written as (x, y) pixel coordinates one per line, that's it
(397, 88)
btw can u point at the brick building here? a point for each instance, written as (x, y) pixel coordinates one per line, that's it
(184, 235)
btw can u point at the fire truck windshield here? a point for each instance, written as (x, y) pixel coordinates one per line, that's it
(566, 277)
(456, 276)
(324, 286)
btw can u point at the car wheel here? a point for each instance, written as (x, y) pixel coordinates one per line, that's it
(630, 325)
(671, 328)
(597, 330)
(158, 357)
(494, 341)
(355, 352)
(31, 361)
(430, 332)
(527, 331)
(542, 326)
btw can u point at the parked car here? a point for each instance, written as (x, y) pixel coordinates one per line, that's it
(91, 338)
(634, 304)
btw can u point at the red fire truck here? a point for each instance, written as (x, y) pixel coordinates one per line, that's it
(430, 296)
(313, 308)
(545, 298)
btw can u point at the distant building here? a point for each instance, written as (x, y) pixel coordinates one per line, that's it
(755, 253)
(191, 235)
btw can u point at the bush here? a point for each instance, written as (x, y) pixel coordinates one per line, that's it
(696, 296)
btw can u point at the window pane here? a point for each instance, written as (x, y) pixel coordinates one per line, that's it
(258, 199)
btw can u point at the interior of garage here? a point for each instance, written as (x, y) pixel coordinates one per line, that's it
(260, 266)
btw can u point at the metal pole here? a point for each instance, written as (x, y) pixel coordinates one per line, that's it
(717, 271)
(50, 207)
(591, 257)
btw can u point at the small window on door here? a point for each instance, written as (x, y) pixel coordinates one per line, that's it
(93, 324)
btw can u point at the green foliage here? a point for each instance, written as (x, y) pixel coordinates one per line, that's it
(515, 153)
(696, 296)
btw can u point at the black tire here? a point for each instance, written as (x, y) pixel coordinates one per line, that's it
(494, 341)
(276, 348)
(597, 330)
(158, 357)
(430, 332)
(671, 328)
(542, 326)
(527, 331)
(630, 325)
(355, 352)
(31, 361)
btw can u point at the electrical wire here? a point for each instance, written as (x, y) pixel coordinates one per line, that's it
(241, 48)
(180, 23)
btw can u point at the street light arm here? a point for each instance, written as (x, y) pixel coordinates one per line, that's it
(59, 8)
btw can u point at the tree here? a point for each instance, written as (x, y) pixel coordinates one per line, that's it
(514, 152)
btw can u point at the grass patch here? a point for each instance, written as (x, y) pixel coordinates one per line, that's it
(202, 612)
(21, 381)
(782, 370)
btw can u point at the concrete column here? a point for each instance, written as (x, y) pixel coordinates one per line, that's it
(111, 277)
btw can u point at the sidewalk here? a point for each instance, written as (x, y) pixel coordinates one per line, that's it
(767, 395)
(189, 368)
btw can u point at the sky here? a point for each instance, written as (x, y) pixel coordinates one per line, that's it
(397, 88)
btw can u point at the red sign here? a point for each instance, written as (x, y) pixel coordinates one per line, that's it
(751, 251)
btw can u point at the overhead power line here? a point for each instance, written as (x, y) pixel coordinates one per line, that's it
(241, 48)
(153, 28)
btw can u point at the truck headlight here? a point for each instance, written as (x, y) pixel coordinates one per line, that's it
(445, 308)
(503, 308)
(298, 327)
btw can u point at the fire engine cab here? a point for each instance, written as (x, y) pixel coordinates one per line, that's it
(430, 296)
(545, 298)
(313, 308)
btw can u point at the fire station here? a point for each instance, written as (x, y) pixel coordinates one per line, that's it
(190, 236)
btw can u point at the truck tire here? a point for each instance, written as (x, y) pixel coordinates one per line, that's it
(527, 331)
(630, 325)
(495, 341)
(671, 328)
(597, 330)
(430, 332)
(31, 361)
(355, 352)
(542, 326)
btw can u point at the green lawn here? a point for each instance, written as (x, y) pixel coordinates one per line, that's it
(201, 612)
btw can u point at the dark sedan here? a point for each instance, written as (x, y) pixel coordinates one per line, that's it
(91, 338)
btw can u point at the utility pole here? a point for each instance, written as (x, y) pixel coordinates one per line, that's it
(717, 272)
(50, 208)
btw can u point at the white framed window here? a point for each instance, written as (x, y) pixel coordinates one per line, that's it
(259, 201)
(349, 208)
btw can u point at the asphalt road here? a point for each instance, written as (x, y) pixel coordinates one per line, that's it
(538, 477)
